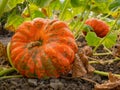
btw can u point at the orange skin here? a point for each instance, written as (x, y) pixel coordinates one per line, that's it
(99, 27)
(51, 57)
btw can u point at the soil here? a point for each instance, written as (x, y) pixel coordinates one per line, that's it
(62, 83)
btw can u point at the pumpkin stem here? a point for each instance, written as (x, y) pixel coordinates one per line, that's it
(33, 44)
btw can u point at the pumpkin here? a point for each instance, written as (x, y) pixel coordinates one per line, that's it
(43, 48)
(99, 27)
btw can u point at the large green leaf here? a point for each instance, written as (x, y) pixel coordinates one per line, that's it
(100, 6)
(11, 4)
(54, 8)
(114, 5)
(13, 22)
(115, 13)
(110, 40)
(97, 6)
(41, 3)
(78, 3)
(35, 11)
(3, 4)
(92, 39)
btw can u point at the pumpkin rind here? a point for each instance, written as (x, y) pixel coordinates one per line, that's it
(43, 48)
(99, 27)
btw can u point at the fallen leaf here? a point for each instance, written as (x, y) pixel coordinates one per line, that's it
(116, 50)
(81, 66)
(112, 84)
(84, 59)
(87, 50)
(78, 69)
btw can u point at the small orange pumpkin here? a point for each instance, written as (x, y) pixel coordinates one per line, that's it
(99, 27)
(43, 48)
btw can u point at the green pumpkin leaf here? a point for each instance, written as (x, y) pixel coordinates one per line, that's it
(55, 8)
(92, 39)
(41, 3)
(110, 40)
(11, 4)
(13, 22)
(114, 5)
(115, 13)
(78, 3)
(100, 6)
(35, 11)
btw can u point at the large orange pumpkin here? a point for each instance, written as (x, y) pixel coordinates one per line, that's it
(43, 48)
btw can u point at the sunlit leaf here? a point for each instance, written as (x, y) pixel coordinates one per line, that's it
(68, 14)
(54, 8)
(41, 3)
(11, 4)
(114, 5)
(110, 40)
(100, 6)
(35, 11)
(78, 3)
(13, 22)
(92, 39)
(115, 13)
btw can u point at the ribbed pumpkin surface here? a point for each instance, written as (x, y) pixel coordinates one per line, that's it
(43, 47)
(99, 27)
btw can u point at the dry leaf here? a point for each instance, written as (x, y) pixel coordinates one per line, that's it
(87, 50)
(112, 84)
(44, 11)
(116, 50)
(81, 66)
(84, 60)
(78, 69)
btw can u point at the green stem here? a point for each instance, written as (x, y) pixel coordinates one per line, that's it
(105, 16)
(13, 76)
(2, 6)
(107, 50)
(6, 71)
(106, 61)
(100, 54)
(102, 40)
(78, 21)
(94, 62)
(104, 73)
(28, 7)
(64, 9)
(81, 26)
